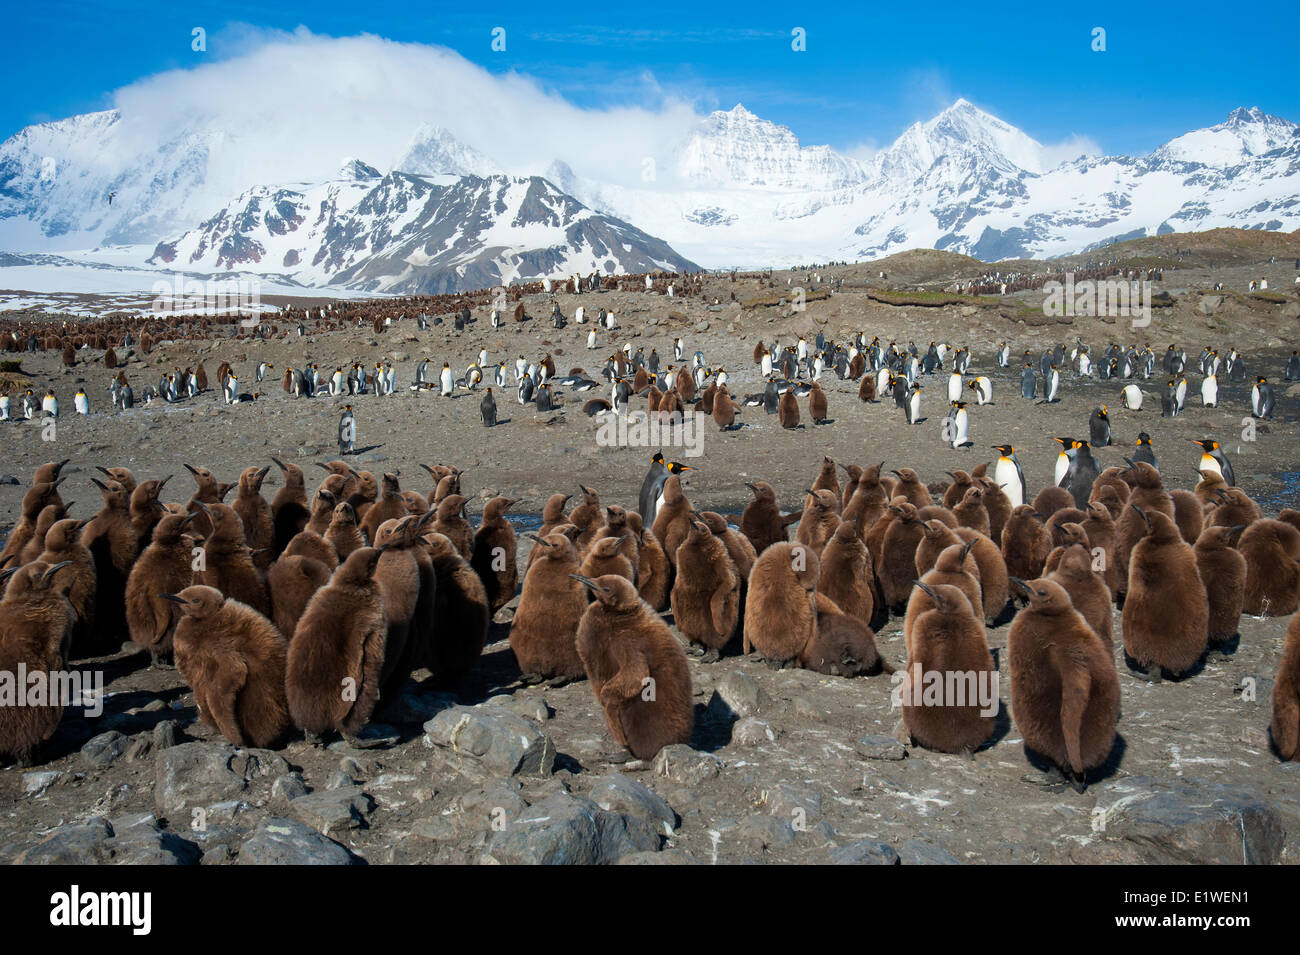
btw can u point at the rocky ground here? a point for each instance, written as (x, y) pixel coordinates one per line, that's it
(786, 766)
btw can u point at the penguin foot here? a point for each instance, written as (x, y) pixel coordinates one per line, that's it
(710, 656)
(618, 755)
(902, 734)
(1078, 781)
(1155, 674)
(562, 680)
(531, 679)
(160, 662)
(315, 739)
(773, 664)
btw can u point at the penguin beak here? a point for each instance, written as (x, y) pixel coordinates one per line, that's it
(161, 484)
(1020, 583)
(1131, 465)
(319, 464)
(926, 587)
(751, 487)
(191, 470)
(279, 464)
(538, 539)
(103, 470)
(6, 574)
(1142, 514)
(585, 581)
(54, 569)
(1234, 533)
(174, 599)
(99, 484)
(203, 507)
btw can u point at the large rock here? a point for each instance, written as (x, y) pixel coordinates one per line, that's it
(618, 793)
(97, 843)
(333, 810)
(569, 830)
(197, 775)
(1190, 821)
(287, 842)
(742, 695)
(502, 741)
(686, 766)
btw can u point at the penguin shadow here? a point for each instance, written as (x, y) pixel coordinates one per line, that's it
(823, 422)
(1092, 777)
(1165, 676)
(79, 726)
(355, 451)
(1001, 727)
(500, 422)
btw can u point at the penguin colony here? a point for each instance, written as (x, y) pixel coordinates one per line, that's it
(305, 614)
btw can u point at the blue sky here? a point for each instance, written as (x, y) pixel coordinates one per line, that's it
(867, 72)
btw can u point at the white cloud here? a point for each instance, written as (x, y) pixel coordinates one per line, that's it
(1072, 148)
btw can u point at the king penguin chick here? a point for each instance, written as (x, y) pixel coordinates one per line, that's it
(636, 668)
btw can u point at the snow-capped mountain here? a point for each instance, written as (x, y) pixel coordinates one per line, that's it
(434, 151)
(736, 148)
(413, 234)
(731, 190)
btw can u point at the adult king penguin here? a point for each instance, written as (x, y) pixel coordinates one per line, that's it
(1008, 473)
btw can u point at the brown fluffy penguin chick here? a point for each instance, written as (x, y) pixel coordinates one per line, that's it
(1112, 502)
(63, 546)
(1286, 695)
(936, 537)
(949, 668)
(961, 483)
(817, 404)
(1188, 515)
(289, 508)
(233, 659)
(1100, 528)
(310, 544)
(762, 522)
(994, 585)
(1112, 477)
(1025, 543)
(1234, 507)
(997, 504)
(910, 487)
(1272, 552)
(820, 519)
(955, 567)
(739, 549)
(416, 505)
(1064, 687)
(896, 568)
(937, 512)
(365, 495)
(616, 525)
(706, 595)
(724, 409)
(605, 556)
(552, 603)
(292, 581)
(255, 513)
(553, 513)
(970, 512)
(868, 502)
(337, 651)
(35, 630)
(343, 533)
(1223, 572)
(398, 575)
(828, 480)
(449, 521)
(867, 388)
(636, 668)
(673, 522)
(322, 511)
(390, 506)
(38, 497)
(1052, 499)
(588, 518)
(780, 614)
(787, 410)
(1149, 495)
(654, 573)
(852, 475)
(1088, 593)
(227, 563)
(207, 490)
(494, 553)
(146, 510)
(1207, 488)
(111, 540)
(1066, 515)
(50, 515)
(165, 567)
(122, 476)
(49, 472)
(841, 645)
(460, 612)
(1166, 612)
